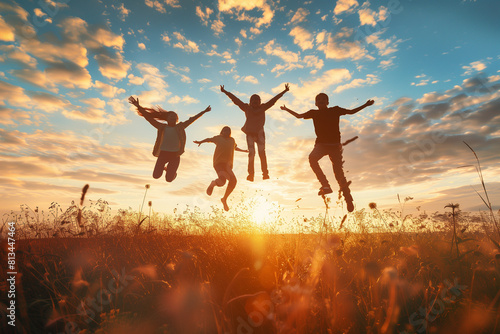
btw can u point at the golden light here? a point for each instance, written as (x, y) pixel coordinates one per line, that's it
(264, 211)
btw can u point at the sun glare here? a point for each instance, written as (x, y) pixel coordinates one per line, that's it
(264, 211)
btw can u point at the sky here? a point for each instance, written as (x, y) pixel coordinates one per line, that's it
(68, 67)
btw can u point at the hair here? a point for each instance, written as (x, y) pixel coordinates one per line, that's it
(226, 127)
(322, 94)
(254, 96)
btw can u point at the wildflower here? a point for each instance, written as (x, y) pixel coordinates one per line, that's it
(147, 186)
(372, 205)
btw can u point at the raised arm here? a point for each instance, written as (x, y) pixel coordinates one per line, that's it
(283, 107)
(233, 98)
(144, 112)
(272, 101)
(355, 110)
(195, 117)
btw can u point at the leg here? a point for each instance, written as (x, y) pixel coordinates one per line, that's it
(221, 180)
(317, 153)
(251, 156)
(338, 162)
(160, 164)
(261, 147)
(231, 184)
(173, 165)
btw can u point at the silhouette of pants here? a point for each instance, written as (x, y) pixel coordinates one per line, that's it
(225, 172)
(172, 159)
(334, 152)
(260, 139)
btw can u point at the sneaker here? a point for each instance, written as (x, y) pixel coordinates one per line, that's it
(347, 196)
(250, 178)
(325, 190)
(210, 188)
(265, 177)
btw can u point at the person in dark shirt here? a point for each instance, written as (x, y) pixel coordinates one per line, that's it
(223, 162)
(328, 142)
(255, 113)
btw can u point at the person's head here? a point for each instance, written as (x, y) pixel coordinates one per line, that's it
(321, 100)
(225, 132)
(169, 116)
(254, 100)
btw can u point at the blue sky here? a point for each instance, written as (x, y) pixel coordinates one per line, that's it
(68, 67)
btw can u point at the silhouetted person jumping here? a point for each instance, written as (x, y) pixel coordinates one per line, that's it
(326, 125)
(223, 162)
(255, 114)
(170, 140)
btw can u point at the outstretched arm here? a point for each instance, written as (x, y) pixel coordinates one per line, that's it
(240, 150)
(233, 98)
(272, 101)
(195, 117)
(292, 112)
(144, 112)
(206, 140)
(355, 110)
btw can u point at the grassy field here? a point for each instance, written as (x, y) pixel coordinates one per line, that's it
(83, 270)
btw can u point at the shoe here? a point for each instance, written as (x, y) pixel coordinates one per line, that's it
(348, 200)
(325, 190)
(210, 188)
(347, 196)
(250, 178)
(265, 177)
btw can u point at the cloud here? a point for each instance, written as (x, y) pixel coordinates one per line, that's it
(204, 80)
(251, 79)
(291, 60)
(242, 11)
(159, 5)
(7, 33)
(108, 91)
(302, 38)
(300, 16)
(476, 66)
(304, 94)
(385, 46)
(339, 46)
(152, 77)
(185, 44)
(186, 99)
(370, 17)
(177, 71)
(122, 11)
(13, 95)
(14, 54)
(370, 79)
(343, 6)
(36, 77)
(112, 66)
(204, 15)
(141, 46)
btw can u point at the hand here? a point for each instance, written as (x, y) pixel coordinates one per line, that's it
(370, 102)
(283, 107)
(222, 88)
(133, 101)
(287, 87)
(207, 109)
(197, 142)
